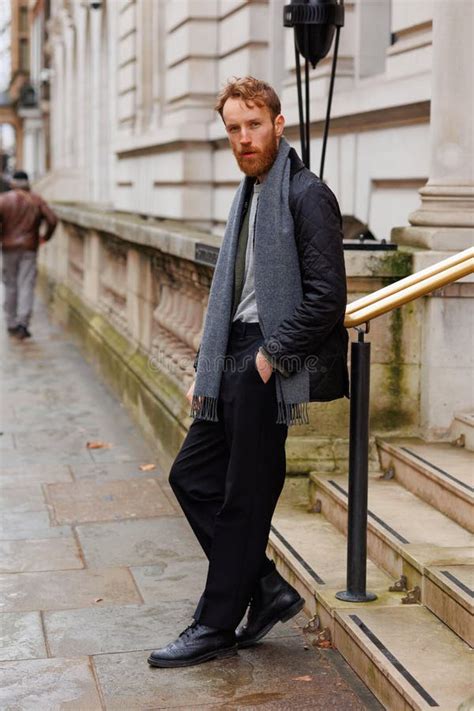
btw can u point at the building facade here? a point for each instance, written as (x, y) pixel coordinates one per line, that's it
(142, 160)
(135, 83)
(24, 77)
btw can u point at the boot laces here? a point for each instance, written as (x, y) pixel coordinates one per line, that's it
(189, 631)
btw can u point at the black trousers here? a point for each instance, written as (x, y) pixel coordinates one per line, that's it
(228, 476)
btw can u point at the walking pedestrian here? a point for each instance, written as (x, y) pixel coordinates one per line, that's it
(22, 216)
(273, 340)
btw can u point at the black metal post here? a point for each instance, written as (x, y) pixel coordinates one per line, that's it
(329, 104)
(358, 475)
(307, 160)
(300, 103)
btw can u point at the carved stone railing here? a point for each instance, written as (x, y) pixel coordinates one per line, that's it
(150, 280)
(76, 256)
(142, 277)
(113, 281)
(178, 318)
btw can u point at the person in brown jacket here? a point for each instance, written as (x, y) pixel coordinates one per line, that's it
(22, 215)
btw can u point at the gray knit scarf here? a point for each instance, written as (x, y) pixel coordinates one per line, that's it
(278, 292)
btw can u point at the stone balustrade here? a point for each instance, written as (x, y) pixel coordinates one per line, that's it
(141, 285)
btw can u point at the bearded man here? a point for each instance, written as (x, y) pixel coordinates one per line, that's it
(273, 340)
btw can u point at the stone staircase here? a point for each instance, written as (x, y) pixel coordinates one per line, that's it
(412, 646)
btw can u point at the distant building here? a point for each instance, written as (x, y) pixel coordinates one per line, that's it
(23, 79)
(8, 119)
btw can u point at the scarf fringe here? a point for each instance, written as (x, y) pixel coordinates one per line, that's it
(295, 413)
(204, 407)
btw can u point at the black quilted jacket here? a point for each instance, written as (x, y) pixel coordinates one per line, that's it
(314, 337)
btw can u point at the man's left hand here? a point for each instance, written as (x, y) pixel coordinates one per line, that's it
(264, 368)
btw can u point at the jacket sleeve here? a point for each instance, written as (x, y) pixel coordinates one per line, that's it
(50, 218)
(318, 234)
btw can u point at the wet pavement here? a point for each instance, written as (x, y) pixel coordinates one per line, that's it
(98, 566)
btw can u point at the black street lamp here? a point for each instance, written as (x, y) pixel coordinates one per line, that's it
(315, 22)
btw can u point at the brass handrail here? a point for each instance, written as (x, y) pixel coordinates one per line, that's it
(412, 287)
(409, 280)
(361, 312)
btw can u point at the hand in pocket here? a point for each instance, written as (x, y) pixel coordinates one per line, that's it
(263, 367)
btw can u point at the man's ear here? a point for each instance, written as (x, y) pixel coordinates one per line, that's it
(279, 125)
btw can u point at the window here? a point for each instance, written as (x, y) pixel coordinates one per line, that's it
(23, 19)
(24, 55)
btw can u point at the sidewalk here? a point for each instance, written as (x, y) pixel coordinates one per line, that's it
(98, 565)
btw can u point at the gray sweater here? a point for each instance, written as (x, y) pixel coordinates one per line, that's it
(247, 308)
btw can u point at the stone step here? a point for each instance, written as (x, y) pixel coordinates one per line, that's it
(439, 473)
(407, 537)
(311, 553)
(407, 657)
(462, 429)
(448, 590)
(376, 638)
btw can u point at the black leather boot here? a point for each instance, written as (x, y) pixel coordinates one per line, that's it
(196, 644)
(274, 601)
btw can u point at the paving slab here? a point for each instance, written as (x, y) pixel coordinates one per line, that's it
(144, 542)
(115, 470)
(280, 672)
(23, 460)
(84, 501)
(39, 554)
(74, 440)
(7, 441)
(171, 580)
(47, 685)
(34, 472)
(21, 636)
(18, 499)
(119, 453)
(31, 524)
(65, 589)
(70, 438)
(100, 630)
(26, 418)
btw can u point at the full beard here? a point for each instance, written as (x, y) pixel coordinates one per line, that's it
(259, 164)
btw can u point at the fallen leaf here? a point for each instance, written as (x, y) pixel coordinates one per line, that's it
(97, 444)
(303, 678)
(147, 467)
(325, 644)
(99, 599)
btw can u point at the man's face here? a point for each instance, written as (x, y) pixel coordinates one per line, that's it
(253, 134)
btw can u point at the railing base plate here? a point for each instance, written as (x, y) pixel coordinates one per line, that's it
(348, 596)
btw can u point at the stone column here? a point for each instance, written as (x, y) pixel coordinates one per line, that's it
(445, 222)
(92, 267)
(445, 219)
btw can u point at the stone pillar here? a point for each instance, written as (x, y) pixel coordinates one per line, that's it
(139, 297)
(92, 268)
(445, 219)
(445, 222)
